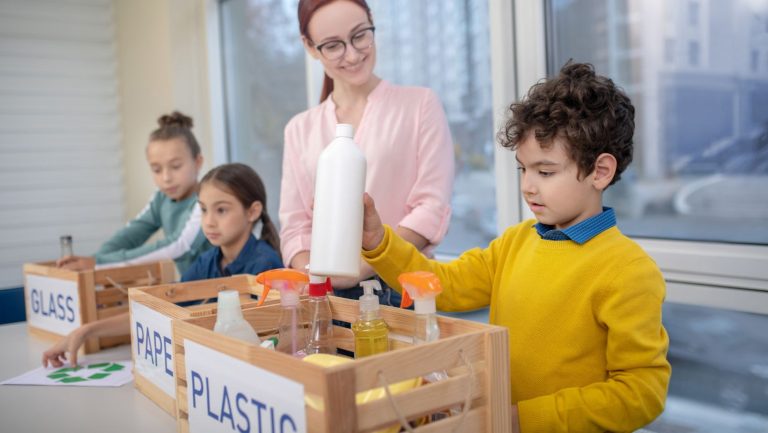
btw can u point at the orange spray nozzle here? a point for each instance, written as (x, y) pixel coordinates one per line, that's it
(291, 276)
(420, 285)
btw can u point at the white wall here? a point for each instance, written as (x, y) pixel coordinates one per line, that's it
(162, 66)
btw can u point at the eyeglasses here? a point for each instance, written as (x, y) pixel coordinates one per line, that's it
(360, 40)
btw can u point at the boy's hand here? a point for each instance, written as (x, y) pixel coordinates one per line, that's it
(56, 356)
(76, 263)
(373, 229)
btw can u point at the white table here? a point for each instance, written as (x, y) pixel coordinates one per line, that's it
(33, 409)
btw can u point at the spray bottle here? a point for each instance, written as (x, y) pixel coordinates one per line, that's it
(229, 318)
(292, 335)
(320, 319)
(421, 288)
(371, 332)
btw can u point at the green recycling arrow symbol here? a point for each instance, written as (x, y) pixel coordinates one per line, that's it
(86, 373)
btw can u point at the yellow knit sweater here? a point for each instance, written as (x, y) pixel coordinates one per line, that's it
(587, 347)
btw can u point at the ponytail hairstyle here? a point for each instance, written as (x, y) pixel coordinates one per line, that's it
(242, 181)
(306, 10)
(176, 125)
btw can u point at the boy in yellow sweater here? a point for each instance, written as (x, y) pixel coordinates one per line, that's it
(582, 302)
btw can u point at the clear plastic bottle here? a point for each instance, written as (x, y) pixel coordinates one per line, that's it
(292, 331)
(320, 318)
(421, 289)
(230, 320)
(292, 334)
(370, 330)
(66, 246)
(337, 215)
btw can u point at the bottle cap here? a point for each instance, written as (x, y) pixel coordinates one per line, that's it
(345, 130)
(65, 238)
(292, 281)
(319, 286)
(422, 287)
(228, 308)
(369, 301)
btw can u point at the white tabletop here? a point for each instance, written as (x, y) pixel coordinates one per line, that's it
(33, 409)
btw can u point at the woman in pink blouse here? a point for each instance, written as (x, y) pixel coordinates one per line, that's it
(403, 132)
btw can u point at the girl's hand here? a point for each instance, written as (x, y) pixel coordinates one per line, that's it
(373, 229)
(76, 263)
(56, 356)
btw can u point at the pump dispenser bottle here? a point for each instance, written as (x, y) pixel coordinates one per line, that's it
(370, 330)
(337, 216)
(229, 318)
(320, 319)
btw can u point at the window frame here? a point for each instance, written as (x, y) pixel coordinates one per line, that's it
(721, 275)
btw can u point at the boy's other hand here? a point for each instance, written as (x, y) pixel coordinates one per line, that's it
(373, 229)
(76, 263)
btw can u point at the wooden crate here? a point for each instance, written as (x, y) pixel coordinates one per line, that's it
(152, 310)
(475, 355)
(59, 301)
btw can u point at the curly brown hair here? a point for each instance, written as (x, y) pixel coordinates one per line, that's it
(589, 111)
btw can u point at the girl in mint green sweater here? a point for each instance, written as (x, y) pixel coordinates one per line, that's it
(174, 158)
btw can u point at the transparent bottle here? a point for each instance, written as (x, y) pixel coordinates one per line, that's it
(230, 320)
(320, 318)
(66, 246)
(292, 333)
(370, 330)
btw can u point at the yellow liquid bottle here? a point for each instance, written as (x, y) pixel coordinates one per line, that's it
(371, 337)
(371, 332)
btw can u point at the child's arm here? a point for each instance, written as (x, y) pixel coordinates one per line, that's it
(172, 246)
(637, 370)
(134, 234)
(110, 327)
(467, 281)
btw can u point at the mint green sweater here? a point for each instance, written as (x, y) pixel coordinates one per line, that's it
(179, 220)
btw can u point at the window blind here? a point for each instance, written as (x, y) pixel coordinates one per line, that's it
(60, 143)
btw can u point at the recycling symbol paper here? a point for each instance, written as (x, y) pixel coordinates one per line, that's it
(85, 373)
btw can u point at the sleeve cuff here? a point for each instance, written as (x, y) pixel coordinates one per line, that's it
(430, 223)
(294, 246)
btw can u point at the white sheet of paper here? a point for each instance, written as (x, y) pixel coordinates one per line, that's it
(94, 373)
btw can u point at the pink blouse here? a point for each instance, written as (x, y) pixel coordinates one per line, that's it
(405, 137)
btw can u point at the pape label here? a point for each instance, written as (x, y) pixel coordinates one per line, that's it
(152, 347)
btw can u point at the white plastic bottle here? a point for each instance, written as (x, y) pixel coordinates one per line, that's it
(229, 318)
(337, 222)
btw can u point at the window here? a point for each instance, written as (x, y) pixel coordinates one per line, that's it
(264, 84)
(701, 155)
(441, 45)
(445, 46)
(693, 13)
(693, 53)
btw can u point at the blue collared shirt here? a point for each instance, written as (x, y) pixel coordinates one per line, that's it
(581, 232)
(256, 256)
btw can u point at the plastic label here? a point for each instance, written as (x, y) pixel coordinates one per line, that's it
(225, 394)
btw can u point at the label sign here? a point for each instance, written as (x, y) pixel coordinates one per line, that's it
(225, 394)
(54, 304)
(152, 347)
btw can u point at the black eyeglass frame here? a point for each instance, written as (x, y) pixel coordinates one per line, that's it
(346, 44)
